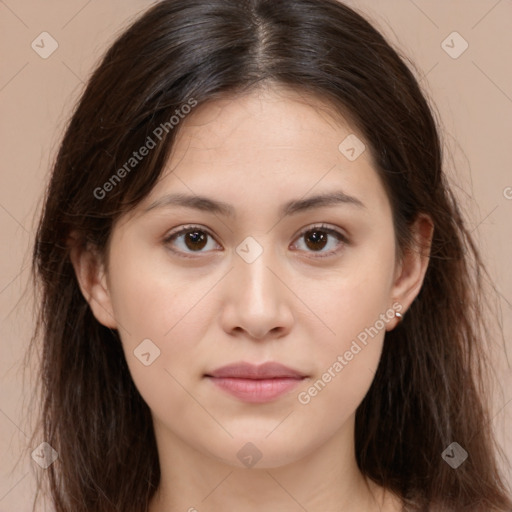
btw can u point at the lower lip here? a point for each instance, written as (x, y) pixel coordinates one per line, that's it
(256, 390)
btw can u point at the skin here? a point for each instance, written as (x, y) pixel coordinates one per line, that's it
(255, 152)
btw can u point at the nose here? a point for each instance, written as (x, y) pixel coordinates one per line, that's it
(258, 302)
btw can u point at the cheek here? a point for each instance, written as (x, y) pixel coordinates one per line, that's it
(345, 360)
(355, 305)
(352, 299)
(159, 317)
(153, 299)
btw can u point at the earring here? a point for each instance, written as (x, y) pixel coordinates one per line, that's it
(399, 316)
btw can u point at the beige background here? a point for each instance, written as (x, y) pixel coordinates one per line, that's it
(473, 94)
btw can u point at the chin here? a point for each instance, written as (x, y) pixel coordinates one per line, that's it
(256, 452)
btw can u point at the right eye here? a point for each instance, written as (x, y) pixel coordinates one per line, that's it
(194, 238)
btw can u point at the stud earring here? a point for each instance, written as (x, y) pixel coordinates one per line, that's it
(399, 316)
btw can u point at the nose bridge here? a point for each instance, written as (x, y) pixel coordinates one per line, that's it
(254, 260)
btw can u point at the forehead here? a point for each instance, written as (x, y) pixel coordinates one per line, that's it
(263, 120)
(266, 147)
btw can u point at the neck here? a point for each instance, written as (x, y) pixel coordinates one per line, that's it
(327, 479)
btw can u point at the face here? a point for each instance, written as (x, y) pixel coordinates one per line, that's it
(268, 279)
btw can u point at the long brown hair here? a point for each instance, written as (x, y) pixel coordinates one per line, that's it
(428, 389)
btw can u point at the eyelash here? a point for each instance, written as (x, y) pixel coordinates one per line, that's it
(321, 227)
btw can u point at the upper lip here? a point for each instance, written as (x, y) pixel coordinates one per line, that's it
(242, 370)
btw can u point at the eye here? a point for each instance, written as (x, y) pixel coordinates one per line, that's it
(317, 237)
(194, 238)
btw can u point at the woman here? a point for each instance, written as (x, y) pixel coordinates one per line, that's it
(257, 287)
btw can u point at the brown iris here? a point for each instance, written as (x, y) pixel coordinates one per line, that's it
(318, 237)
(196, 238)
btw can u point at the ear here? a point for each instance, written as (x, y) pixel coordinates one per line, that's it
(411, 270)
(91, 276)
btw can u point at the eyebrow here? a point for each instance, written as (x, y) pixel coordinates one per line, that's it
(207, 204)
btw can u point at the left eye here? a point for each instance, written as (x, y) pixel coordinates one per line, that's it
(195, 239)
(317, 238)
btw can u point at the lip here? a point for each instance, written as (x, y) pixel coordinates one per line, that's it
(269, 370)
(256, 383)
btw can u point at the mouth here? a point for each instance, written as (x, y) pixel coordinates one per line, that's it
(256, 383)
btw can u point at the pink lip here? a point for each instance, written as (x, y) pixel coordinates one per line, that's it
(256, 384)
